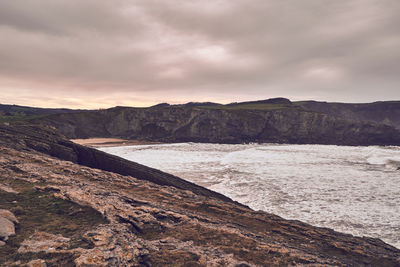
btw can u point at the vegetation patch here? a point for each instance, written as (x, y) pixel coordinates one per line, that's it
(19, 117)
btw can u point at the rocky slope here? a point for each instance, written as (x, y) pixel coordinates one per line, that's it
(46, 140)
(274, 120)
(73, 215)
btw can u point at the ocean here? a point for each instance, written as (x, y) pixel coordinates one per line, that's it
(354, 190)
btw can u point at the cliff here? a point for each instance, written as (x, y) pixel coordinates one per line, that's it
(269, 121)
(382, 112)
(72, 210)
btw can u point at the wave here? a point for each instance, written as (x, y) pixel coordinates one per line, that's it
(387, 157)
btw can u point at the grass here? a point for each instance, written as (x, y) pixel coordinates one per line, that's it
(249, 107)
(4, 118)
(40, 211)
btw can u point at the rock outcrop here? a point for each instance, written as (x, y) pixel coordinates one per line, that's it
(7, 225)
(269, 121)
(74, 215)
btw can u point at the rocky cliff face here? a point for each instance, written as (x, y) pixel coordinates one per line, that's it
(385, 112)
(73, 215)
(279, 122)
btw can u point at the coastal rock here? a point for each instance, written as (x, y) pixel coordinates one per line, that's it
(6, 228)
(7, 221)
(142, 223)
(37, 263)
(113, 245)
(8, 215)
(41, 241)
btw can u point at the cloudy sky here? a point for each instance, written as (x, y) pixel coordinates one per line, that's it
(101, 53)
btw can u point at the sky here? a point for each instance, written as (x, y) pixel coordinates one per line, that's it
(101, 53)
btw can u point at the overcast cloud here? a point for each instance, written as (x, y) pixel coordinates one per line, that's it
(101, 53)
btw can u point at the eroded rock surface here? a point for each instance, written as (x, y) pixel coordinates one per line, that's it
(148, 224)
(41, 241)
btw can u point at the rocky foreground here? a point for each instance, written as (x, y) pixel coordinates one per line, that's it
(57, 211)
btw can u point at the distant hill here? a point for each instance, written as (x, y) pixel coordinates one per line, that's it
(275, 120)
(15, 112)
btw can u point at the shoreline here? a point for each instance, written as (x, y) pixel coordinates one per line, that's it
(110, 142)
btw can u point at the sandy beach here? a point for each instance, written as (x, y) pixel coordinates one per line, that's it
(110, 142)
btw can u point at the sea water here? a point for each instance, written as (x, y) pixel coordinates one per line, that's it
(354, 190)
